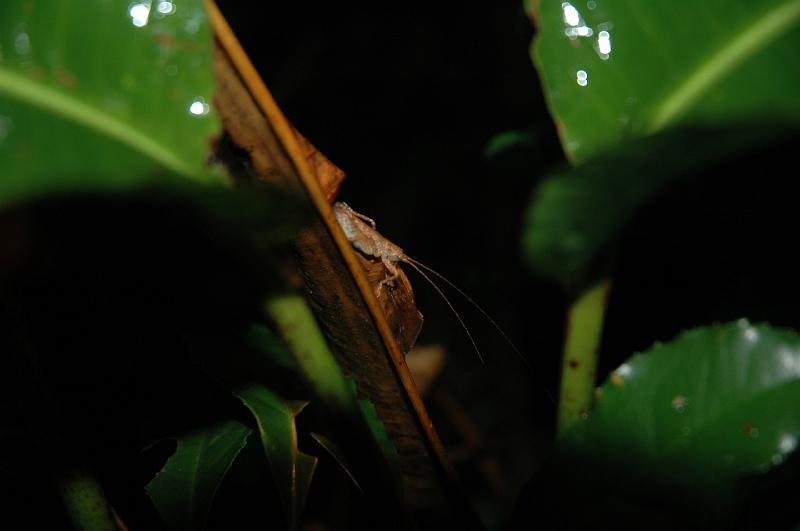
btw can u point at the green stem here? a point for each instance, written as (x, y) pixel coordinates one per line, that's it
(85, 502)
(299, 329)
(80, 492)
(579, 369)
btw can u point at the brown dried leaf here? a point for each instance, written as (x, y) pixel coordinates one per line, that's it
(340, 284)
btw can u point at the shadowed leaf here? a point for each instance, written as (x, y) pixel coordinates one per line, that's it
(291, 469)
(693, 416)
(184, 489)
(576, 217)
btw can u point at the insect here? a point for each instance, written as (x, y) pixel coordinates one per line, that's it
(363, 234)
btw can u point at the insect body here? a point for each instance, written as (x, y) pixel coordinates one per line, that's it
(363, 234)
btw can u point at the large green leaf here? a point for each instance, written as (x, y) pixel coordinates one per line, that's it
(102, 94)
(614, 68)
(184, 489)
(715, 405)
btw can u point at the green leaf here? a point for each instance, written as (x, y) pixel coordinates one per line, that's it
(263, 373)
(184, 489)
(351, 425)
(254, 374)
(291, 469)
(715, 405)
(577, 216)
(103, 94)
(614, 69)
(509, 140)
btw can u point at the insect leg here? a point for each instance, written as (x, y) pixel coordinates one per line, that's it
(364, 218)
(393, 274)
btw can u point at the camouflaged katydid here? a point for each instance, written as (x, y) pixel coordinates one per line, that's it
(363, 234)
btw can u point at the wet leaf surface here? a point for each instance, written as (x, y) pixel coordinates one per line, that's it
(103, 95)
(615, 69)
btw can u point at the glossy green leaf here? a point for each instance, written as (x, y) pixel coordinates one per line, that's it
(103, 94)
(614, 69)
(291, 469)
(184, 489)
(715, 405)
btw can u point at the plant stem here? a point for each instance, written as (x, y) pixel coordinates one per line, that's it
(579, 367)
(299, 329)
(85, 502)
(80, 492)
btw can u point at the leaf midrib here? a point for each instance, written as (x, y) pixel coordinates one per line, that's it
(768, 28)
(48, 99)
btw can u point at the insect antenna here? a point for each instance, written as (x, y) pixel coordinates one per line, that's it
(414, 264)
(419, 266)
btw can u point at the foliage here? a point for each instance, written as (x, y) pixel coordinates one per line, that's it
(123, 219)
(614, 70)
(200, 462)
(578, 217)
(653, 113)
(143, 297)
(125, 88)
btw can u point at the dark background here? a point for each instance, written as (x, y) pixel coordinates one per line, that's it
(405, 99)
